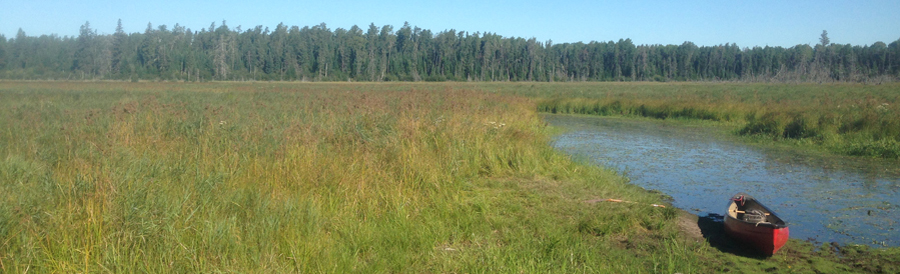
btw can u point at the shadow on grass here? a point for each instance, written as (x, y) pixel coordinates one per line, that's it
(713, 229)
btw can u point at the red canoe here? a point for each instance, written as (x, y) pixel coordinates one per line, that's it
(752, 223)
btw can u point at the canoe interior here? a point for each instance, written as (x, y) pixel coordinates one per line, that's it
(750, 203)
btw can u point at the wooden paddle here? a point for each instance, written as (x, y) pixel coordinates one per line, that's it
(741, 211)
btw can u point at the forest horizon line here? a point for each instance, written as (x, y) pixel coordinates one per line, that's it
(317, 53)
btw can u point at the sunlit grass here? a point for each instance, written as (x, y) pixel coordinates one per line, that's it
(297, 177)
(312, 178)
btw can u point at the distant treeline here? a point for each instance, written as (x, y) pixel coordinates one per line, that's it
(413, 54)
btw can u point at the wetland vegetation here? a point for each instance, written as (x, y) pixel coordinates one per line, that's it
(850, 119)
(345, 177)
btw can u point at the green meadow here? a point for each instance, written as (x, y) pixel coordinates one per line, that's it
(381, 177)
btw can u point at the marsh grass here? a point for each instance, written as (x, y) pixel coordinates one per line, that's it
(326, 177)
(165, 177)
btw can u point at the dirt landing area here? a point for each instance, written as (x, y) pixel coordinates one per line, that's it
(689, 225)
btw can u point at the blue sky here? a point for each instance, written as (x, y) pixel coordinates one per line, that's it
(747, 23)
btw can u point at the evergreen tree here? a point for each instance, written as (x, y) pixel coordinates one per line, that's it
(118, 49)
(3, 56)
(823, 39)
(85, 52)
(372, 48)
(356, 41)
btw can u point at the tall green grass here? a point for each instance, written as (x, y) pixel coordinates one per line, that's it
(335, 178)
(155, 177)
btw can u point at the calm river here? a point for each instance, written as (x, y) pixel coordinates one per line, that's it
(823, 198)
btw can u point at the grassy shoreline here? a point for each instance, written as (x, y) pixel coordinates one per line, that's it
(282, 177)
(847, 119)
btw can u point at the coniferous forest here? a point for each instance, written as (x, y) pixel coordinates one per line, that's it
(318, 53)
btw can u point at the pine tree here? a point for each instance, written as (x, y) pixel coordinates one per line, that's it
(85, 52)
(3, 56)
(118, 49)
(823, 39)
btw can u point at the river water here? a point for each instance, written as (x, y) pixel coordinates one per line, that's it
(822, 198)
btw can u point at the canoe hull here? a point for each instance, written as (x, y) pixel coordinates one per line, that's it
(765, 239)
(766, 236)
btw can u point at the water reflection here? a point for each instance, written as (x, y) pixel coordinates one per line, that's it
(825, 198)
